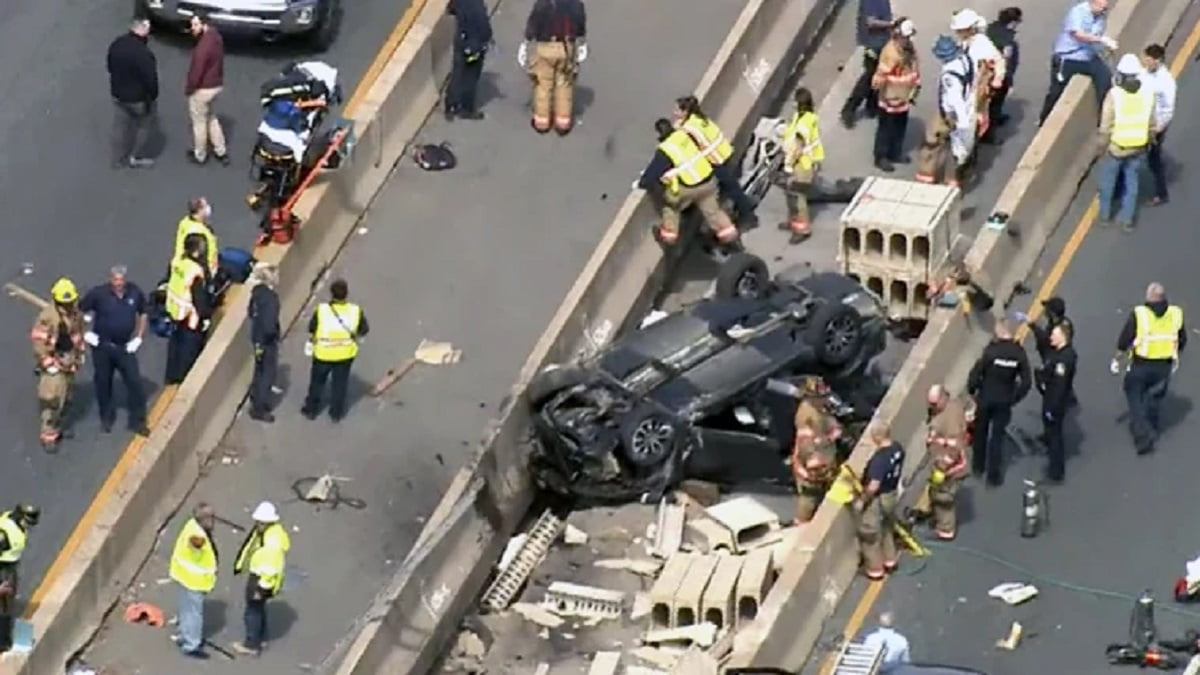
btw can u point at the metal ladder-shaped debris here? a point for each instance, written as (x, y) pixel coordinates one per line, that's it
(858, 659)
(509, 581)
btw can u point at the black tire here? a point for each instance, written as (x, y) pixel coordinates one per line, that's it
(649, 437)
(742, 276)
(836, 333)
(550, 381)
(325, 33)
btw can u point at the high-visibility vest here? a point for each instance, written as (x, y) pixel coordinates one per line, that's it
(194, 569)
(804, 126)
(708, 137)
(184, 272)
(1132, 113)
(15, 536)
(690, 166)
(188, 227)
(264, 554)
(1157, 337)
(337, 325)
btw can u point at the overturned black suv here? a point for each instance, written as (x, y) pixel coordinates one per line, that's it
(709, 391)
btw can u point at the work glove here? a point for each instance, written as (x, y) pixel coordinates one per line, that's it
(91, 338)
(308, 349)
(1115, 367)
(581, 52)
(1109, 43)
(133, 345)
(523, 55)
(258, 352)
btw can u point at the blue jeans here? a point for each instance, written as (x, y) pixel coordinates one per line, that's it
(191, 620)
(1123, 171)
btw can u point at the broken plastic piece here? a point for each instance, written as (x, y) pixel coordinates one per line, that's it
(144, 612)
(1014, 592)
(1013, 639)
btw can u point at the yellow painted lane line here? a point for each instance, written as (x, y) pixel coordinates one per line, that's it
(867, 602)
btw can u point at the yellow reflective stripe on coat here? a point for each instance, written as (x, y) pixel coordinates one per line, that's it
(1132, 114)
(195, 570)
(1157, 337)
(708, 137)
(15, 536)
(184, 272)
(805, 126)
(334, 338)
(691, 167)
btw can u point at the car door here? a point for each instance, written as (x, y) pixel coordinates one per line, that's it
(732, 456)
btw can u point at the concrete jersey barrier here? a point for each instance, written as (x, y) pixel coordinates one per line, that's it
(412, 620)
(157, 481)
(825, 557)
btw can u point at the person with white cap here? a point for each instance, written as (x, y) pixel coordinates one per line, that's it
(1126, 129)
(953, 131)
(898, 81)
(990, 68)
(263, 555)
(1078, 50)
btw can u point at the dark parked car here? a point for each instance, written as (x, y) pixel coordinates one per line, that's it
(708, 391)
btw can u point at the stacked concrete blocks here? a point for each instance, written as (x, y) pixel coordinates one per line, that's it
(895, 236)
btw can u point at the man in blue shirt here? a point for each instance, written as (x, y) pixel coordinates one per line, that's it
(116, 316)
(1078, 51)
(895, 646)
(873, 32)
(877, 504)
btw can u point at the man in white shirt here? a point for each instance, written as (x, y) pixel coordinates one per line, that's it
(895, 645)
(1160, 81)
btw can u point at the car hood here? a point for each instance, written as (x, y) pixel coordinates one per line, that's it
(244, 5)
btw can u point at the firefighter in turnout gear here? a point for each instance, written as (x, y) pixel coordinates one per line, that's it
(263, 555)
(679, 176)
(59, 349)
(556, 33)
(952, 133)
(948, 441)
(14, 533)
(814, 456)
(803, 154)
(717, 149)
(897, 81)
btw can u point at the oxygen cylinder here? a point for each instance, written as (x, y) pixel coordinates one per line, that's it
(1033, 510)
(1142, 632)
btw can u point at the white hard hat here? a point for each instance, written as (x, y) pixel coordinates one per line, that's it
(907, 28)
(1129, 65)
(965, 20)
(266, 513)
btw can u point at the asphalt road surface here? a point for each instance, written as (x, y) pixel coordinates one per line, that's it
(1121, 523)
(481, 257)
(69, 213)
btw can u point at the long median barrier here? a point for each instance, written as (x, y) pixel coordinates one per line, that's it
(147, 487)
(411, 621)
(1036, 197)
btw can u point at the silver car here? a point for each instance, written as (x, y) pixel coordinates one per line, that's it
(315, 20)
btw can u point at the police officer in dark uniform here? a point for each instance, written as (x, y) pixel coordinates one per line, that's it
(1055, 314)
(1003, 33)
(14, 532)
(472, 36)
(998, 381)
(1055, 381)
(264, 333)
(1152, 338)
(877, 504)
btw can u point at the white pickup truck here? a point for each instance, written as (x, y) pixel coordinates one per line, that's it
(315, 20)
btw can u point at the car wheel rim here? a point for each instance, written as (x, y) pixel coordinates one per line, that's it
(840, 336)
(651, 438)
(748, 285)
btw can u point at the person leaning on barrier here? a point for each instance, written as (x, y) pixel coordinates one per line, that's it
(678, 177)
(1151, 341)
(264, 335)
(1078, 50)
(876, 505)
(190, 305)
(717, 149)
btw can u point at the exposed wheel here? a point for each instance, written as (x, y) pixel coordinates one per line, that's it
(550, 381)
(325, 33)
(649, 437)
(836, 334)
(742, 276)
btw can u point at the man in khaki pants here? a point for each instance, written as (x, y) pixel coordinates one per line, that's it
(558, 31)
(680, 176)
(206, 76)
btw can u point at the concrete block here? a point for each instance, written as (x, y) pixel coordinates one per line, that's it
(701, 634)
(605, 663)
(718, 536)
(686, 607)
(662, 593)
(718, 604)
(668, 533)
(753, 583)
(904, 293)
(566, 599)
(903, 225)
(695, 662)
(747, 519)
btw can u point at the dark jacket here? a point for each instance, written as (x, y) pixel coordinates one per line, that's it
(556, 19)
(1056, 380)
(1001, 376)
(1129, 330)
(132, 70)
(264, 316)
(206, 69)
(473, 26)
(202, 296)
(1005, 40)
(651, 179)
(1041, 332)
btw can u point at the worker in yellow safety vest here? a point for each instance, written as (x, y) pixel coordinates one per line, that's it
(1150, 341)
(803, 154)
(197, 222)
(194, 570)
(1126, 129)
(334, 331)
(717, 149)
(14, 532)
(190, 306)
(680, 176)
(263, 555)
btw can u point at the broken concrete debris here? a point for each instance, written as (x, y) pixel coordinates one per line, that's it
(542, 669)
(567, 599)
(538, 614)
(701, 634)
(646, 568)
(573, 536)
(668, 529)
(467, 653)
(751, 524)
(530, 554)
(605, 663)
(696, 662)
(1010, 641)
(639, 670)
(659, 657)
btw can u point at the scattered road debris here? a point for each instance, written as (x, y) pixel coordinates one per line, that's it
(668, 530)
(639, 670)
(466, 654)
(573, 536)
(538, 614)
(697, 662)
(531, 553)
(144, 612)
(1013, 638)
(701, 634)
(645, 568)
(325, 490)
(20, 293)
(660, 657)
(1014, 592)
(427, 352)
(567, 599)
(605, 663)
(542, 669)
